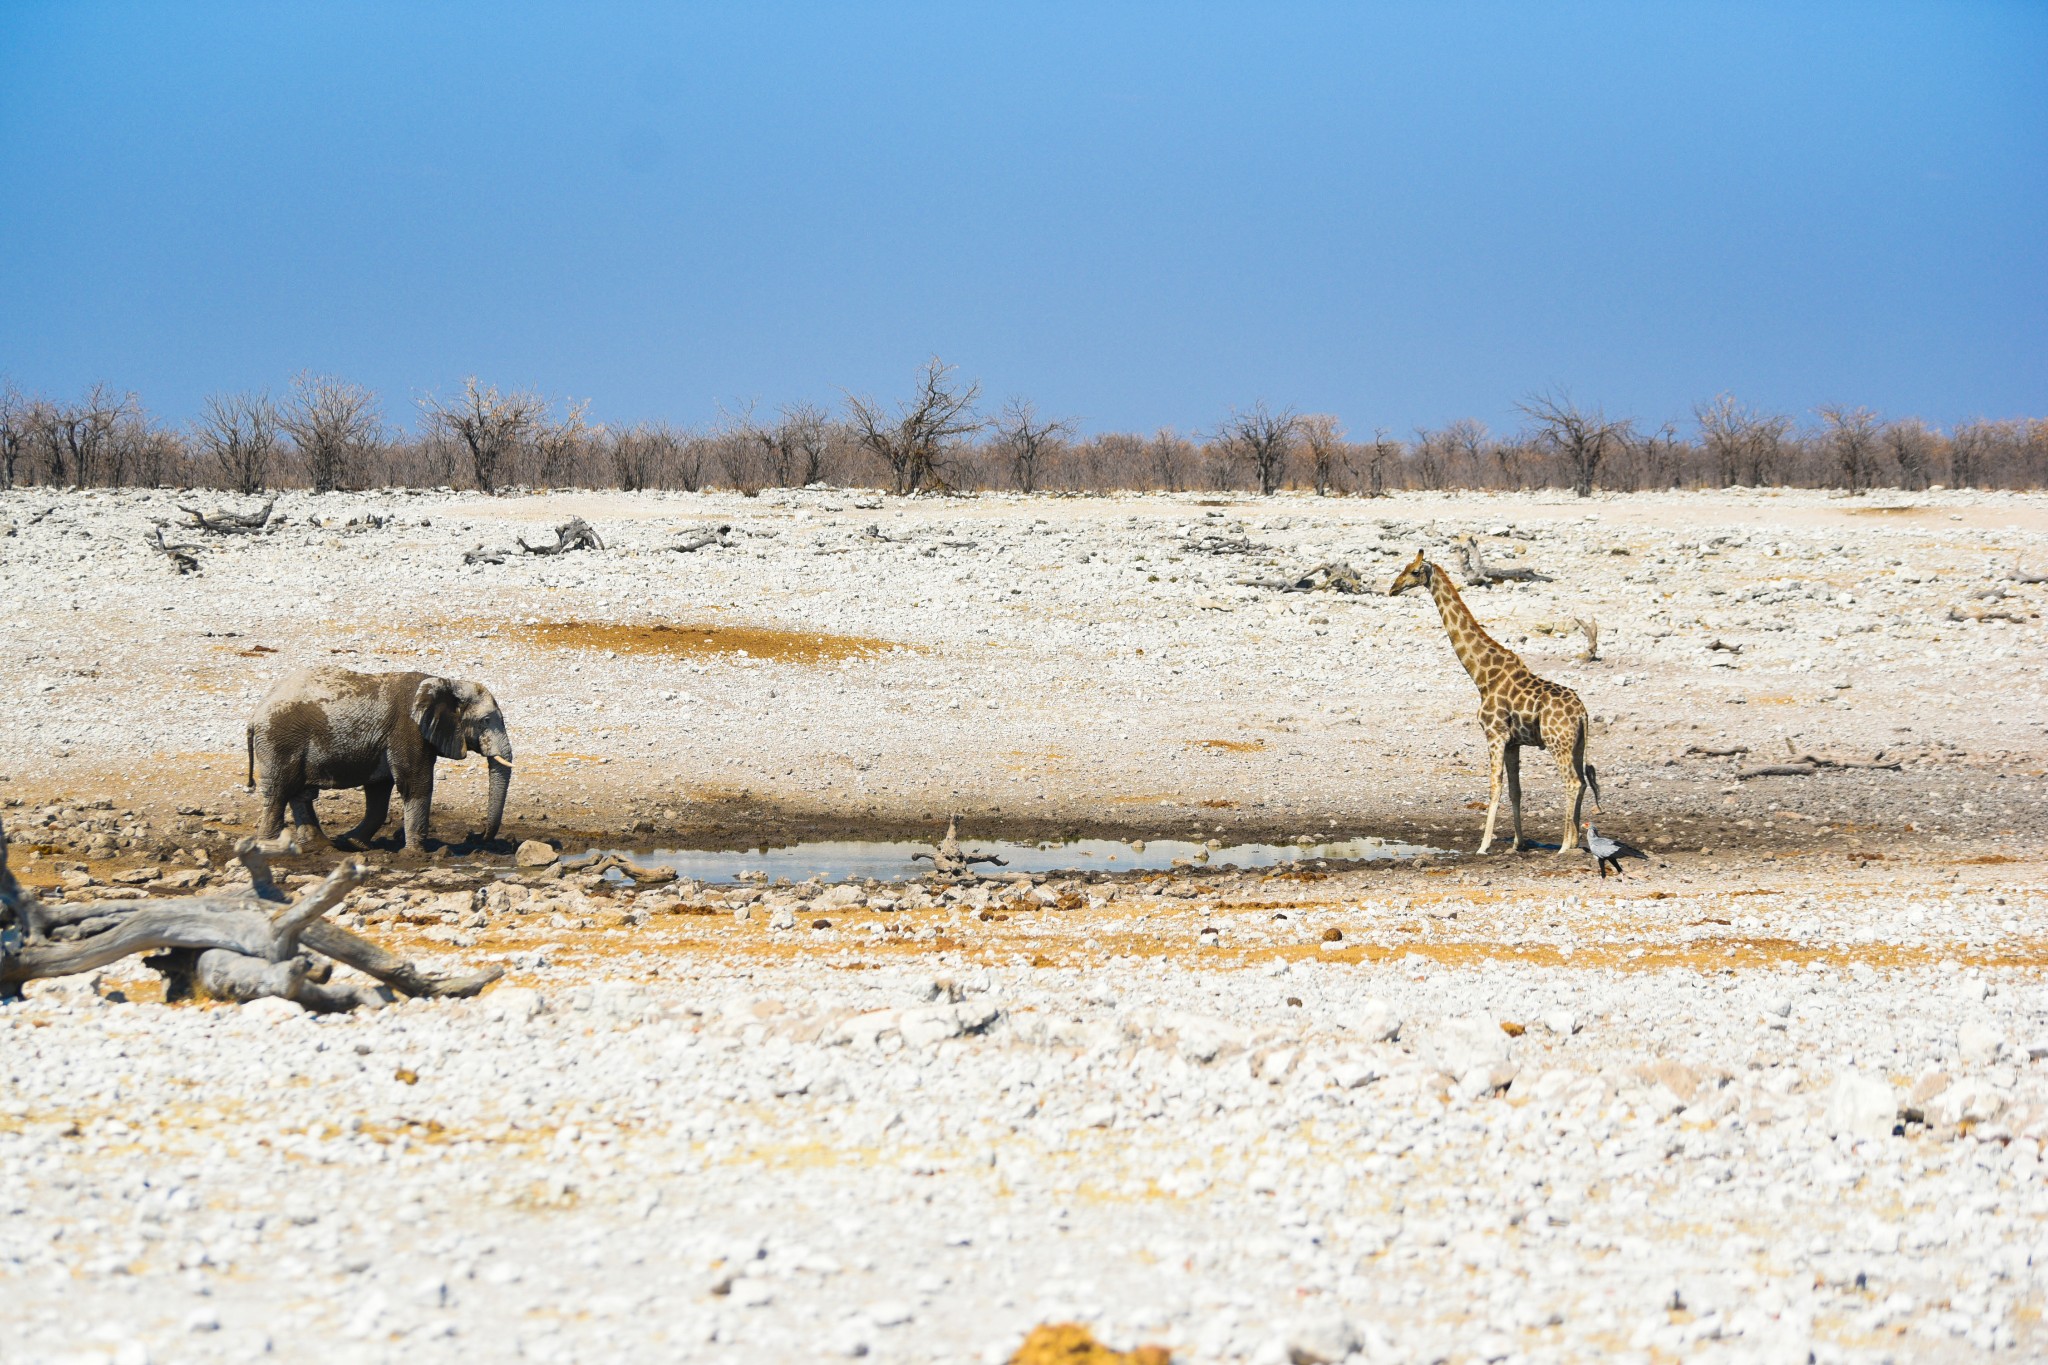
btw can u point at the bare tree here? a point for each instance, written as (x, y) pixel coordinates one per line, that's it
(1582, 438)
(803, 438)
(1261, 439)
(1852, 440)
(644, 456)
(1430, 457)
(557, 443)
(17, 423)
(1914, 449)
(1323, 434)
(1170, 459)
(239, 432)
(1467, 443)
(334, 424)
(738, 451)
(490, 426)
(1024, 439)
(1379, 459)
(1747, 446)
(1653, 459)
(82, 439)
(792, 452)
(915, 443)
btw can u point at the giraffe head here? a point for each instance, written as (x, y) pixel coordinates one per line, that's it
(1416, 575)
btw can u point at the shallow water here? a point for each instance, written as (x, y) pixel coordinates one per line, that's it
(845, 860)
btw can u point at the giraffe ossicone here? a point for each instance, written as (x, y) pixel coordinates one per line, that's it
(1515, 707)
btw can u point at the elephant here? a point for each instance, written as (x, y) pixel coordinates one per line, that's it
(329, 727)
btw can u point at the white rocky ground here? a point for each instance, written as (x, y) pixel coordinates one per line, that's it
(1510, 1112)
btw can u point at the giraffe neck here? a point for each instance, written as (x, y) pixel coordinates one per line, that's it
(1474, 647)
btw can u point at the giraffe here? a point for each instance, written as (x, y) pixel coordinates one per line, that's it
(1515, 708)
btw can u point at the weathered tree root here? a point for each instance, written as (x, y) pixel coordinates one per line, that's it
(948, 860)
(238, 945)
(179, 555)
(573, 534)
(1797, 764)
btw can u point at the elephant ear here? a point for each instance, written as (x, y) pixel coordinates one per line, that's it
(438, 713)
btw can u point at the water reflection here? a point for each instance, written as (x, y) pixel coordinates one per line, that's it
(847, 860)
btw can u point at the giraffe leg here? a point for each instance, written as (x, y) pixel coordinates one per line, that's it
(1511, 764)
(1497, 764)
(1571, 766)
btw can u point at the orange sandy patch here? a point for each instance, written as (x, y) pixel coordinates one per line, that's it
(698, 641)
(1232, 746)
(1069, 1343)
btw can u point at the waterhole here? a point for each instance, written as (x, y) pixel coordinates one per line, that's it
(848, 860)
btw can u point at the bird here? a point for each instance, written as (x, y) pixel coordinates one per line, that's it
(1609, 852)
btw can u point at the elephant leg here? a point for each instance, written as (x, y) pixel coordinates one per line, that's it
(1511, 765)
(303, 815)
(376, 807)
(417, 792)
(274, 800)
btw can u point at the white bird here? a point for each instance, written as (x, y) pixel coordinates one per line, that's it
(1609, 852)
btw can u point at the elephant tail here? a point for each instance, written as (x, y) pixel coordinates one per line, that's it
(249, 739)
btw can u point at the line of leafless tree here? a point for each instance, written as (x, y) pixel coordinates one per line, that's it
(325, 433)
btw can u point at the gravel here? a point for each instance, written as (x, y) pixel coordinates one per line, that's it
(1783, 1101)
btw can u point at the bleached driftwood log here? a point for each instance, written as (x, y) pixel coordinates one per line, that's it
(705, 536)
(573, 534)
(1480, 574)
(237, 945)
(230, 523)
(1210, 542)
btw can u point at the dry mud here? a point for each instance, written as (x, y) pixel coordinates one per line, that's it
(1778, 1095)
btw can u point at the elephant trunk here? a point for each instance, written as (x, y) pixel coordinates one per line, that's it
(501, 782)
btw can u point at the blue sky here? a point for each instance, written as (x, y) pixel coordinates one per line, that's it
(1135, 214)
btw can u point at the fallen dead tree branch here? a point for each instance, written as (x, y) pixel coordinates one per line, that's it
(1480, 574)
(230, 523)
(1219, 543)
(1799, 764)
(480, 555)
(598, 864)
(1700, 751)
(180, 555)
(235, 945)
(573, 534)
(1334, 576)
(948, 860)
(704, 537)
(2011, 617)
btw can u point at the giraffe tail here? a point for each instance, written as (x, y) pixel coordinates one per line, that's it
(1592, 773)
